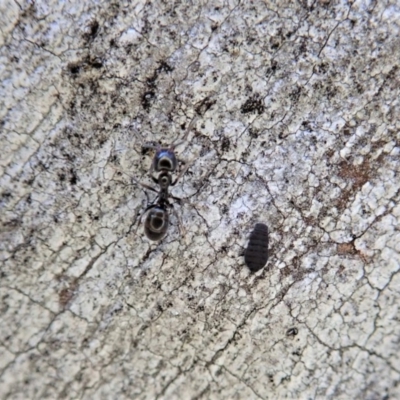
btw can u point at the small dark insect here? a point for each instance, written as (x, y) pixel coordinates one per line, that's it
(292, 332)
(256, 253)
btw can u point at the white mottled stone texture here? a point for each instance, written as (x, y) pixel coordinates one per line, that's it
(297, 106)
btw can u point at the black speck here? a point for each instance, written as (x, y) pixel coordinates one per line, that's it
(74, 179)
(253, 133)
(272, 69)
(96, 64)
(74, 69)
(94, 27)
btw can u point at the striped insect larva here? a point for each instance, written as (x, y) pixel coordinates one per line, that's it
(256, 253)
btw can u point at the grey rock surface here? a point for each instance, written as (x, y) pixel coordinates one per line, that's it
(297, 109)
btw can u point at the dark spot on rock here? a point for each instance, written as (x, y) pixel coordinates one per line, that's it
(74, 69)
(253, 133)
(74, 178)
(94, 27)
(91, 31)
(253, 104)
(322, 68)
(275, 43)
(163, 67)
(225, 144)
(346, 131)
(272, 68)
(147, 99)
(295, 94)
(66, 295)
(96, 64)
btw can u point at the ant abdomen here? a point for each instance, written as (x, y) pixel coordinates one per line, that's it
(156, 223)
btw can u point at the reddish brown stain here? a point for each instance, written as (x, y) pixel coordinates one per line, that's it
(358, 175)
(66, 295)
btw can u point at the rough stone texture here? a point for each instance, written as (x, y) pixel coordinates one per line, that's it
(298, 127)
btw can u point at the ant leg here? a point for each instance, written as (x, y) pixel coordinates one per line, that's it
(181, 227)
(135, 180)
(189, 128)
(181, 174)
(138, 136)
(138, 223)
(148, 187)
(145, 145)
(157, 148)
(151, 146)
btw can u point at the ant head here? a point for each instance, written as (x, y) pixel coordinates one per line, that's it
(165, 160)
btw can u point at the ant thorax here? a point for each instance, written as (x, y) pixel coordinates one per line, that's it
(164, 180)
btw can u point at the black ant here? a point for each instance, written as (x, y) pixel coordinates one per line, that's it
(165, 162)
